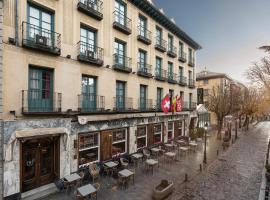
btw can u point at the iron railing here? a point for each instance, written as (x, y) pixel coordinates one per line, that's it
(191, 83)
(182, 80)
(122, 63)
(191, 62)
(91, 103)
(90, 53)
(122, 22)
(161, 44)
(144, 35)
(93, 8)
(182, 56)
(41, 101)
(172, 77)
(40, 38)
(145, 104)
(123, 104)
(160, 74)
(172, 51)
(144, 69)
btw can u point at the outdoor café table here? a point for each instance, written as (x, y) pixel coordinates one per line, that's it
(111, 165)
(155, 151)
(181, 142)
(170, 155)
(193, 145)
(126, 173)
(136, 157)
(151, 163)
(169, 146)
(86, 190)
(72, 177)
(184, 149)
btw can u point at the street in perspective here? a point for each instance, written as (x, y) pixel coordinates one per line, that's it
(134, 100)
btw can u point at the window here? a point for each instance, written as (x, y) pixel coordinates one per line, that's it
(120, 95)
(182, 95)
(205, 82)
(143, 93)
(159, 98)
(40, 96)
(142, 26)
(170, 131)
(181, 48)
(190, 75)
(190, 55)
(170, 70)
(158, 36)
(180, 127)
(41, 24)
(158, 66)
(170, 43)
(89, 91)
(88, 148)
(181, 71)
(120, 12)
(120, 53)
(119, 142)
(142, 59)
(141, 137)
(190, 100)
(171, 93)
(157, 133)
(88, 42)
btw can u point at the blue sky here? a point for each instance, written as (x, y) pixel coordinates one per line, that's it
(230, 31)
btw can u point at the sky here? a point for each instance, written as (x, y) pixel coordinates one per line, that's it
(230, 31)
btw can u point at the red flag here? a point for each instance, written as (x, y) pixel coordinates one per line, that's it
(178, 104)
(166, 104)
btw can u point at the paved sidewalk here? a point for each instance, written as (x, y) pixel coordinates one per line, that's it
(236, 175)
(144, 183)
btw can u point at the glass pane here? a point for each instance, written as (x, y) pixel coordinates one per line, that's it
(46, 18)
(45, 161)
(33, 12)
(88, 156)
(29, 164)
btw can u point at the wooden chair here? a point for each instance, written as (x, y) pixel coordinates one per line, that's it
(79, 197)
(146, 153)
(124, 162)
(80, 182)
(97, 187)
(122, 181)
(94, 171)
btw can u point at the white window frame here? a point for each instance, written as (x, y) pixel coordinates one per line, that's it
(182, 122)
(157, 133)
(121, 141)
(144, 136)
(171, 130)
(93, 147)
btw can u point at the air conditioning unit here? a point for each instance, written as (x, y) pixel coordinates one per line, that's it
(41, 40)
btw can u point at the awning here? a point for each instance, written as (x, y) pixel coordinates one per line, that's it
(30, 134)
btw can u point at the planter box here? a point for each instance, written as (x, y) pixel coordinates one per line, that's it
(163, 190)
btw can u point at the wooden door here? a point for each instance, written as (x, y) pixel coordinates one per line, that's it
(176, 129)
(150, 134)
(105, 145)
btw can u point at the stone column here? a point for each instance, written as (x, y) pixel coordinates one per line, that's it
(1, 100)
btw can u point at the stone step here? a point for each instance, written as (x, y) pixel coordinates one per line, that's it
(40, 192)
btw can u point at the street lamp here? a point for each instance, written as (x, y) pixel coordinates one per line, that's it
(205, 138)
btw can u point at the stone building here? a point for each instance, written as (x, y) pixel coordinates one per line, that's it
(83, 81)
(1, 101)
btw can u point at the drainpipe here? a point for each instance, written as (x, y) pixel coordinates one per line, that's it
(16, 23)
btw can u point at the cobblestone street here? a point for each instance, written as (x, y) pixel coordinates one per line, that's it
(236, 175)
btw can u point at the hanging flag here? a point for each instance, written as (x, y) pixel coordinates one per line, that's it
(178, 104)
(166, 104)
(173, 108)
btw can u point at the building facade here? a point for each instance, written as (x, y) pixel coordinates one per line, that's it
(83, 81)
(1, 100)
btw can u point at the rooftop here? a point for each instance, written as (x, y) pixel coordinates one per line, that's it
(211, 75)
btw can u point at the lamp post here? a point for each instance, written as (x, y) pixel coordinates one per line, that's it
(205, 138)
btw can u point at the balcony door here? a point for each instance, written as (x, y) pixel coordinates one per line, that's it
(142, 61)
(159, 98)
(89, 91)
(40, 93)
(120, 15)
(158, 66)
(40, 27)
(120, 95)
(120, 52)
(88, 42)
(143, 94)
(142, 26)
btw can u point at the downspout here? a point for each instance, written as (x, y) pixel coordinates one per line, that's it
(16, 23)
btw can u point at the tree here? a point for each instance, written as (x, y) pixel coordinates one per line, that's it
(220, 104)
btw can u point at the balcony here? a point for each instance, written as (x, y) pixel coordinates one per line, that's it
(38, 38)
(122, 23)
(91, 103)
(122, 63)
(91, 8)
(41, 102)
(144, 70)
(158, 106)
(144, 35)
(122, 104)
(182, 81)
(182, 56)
(90, 54)
(191, 83)
(146, 105)
(161, 75)
(172, 51)
(189, 106)
(172, 78)
(161, 45)
(191, 62)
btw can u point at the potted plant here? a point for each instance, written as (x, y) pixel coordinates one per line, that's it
(267, 173)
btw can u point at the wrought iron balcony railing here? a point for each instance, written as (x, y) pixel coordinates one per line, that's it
(160, 74)
(144, 35)
(189, 106)
(91, 103)
(37, 101)
(122, 63)
(89, 53)
(144, 70)
(172, 78)
(38, 38)
(123, 104)
(191, 62)
(182, 80)
(182, 56)
(172, 51)
(93, 8)
(146, 104)
(161, 44)
(191, 83)
(122, 22)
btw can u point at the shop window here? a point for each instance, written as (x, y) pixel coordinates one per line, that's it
(157, 133)
(141, 137)
(88, 148)
(170, 131)
(119, 142)
(180, 127)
